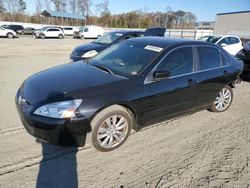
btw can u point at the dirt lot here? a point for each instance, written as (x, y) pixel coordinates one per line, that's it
(201, 150)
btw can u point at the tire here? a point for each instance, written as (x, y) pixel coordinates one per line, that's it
(60, 36)
(81, 37)
(223, 101)
(10, 35)
(42, 36)
(98, 36)
(107, 135)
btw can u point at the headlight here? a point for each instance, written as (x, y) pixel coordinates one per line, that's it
(89, 54)
(64, 109)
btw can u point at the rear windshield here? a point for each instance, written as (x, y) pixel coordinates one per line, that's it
(108, 38)
(126, 59)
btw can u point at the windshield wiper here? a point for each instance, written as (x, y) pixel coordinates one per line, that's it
(103, 68)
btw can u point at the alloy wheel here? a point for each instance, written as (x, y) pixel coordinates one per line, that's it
(223, 100)
(112, 131)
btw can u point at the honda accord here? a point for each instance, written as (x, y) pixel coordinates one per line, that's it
(129, 85)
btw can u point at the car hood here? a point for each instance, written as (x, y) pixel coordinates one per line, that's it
(80, 50)
(62, 82)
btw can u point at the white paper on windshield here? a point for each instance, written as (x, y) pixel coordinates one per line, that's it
(118, 34)
(153, 48)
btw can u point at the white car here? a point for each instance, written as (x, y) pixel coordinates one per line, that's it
(68, 30)
(7, 33)
(232, 44)
(49, 32)
(90, 32)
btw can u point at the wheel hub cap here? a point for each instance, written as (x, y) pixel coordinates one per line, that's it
(112, 131)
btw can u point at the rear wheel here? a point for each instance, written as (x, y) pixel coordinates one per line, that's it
(111, 128)
(223, 101)
(10, 35)
(60, 36)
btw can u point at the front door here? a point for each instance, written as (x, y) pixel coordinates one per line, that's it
(174, 95)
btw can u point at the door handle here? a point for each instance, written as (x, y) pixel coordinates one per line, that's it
(191, 82)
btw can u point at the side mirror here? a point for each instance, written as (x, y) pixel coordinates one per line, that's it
(161, 75)
(223, 45)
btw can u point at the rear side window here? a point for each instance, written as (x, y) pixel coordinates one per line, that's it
(178, 62)
(209, 58)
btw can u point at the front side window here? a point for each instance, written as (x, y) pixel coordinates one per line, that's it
(224, 41)
(209, 58)
(178, 62)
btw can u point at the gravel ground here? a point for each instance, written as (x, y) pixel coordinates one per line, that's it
(200, 150)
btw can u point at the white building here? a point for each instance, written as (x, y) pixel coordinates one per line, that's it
(233, 23)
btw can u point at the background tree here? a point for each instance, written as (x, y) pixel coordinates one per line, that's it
(72, 4)
(21, 6)
(57, 4)
(39, 6)
(2, 9)
(47, 4)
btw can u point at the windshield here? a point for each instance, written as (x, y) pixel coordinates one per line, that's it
(108, 38)
(212, 39)
(126, 59)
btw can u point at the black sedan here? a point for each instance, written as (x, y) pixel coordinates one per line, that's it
(128, 86)
(86, 51)
(244, 55)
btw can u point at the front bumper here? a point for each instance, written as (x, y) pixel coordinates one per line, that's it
(64, 132)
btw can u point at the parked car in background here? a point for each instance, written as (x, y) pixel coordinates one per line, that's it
(91, 49)
(68, 30)
(244, 55)
(49, 32)
(17, 28)
(7, 33)
(28, 31)
(156, 31)
(129, 85)
(232, 44)
(89, 32)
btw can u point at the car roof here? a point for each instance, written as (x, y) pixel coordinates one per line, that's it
(221, 36)
(165, 42)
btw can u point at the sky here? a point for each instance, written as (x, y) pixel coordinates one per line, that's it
(205, 10)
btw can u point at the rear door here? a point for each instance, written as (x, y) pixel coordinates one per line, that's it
(212, 70)
(174, 95)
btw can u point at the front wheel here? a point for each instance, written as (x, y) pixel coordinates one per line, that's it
(10, 35)
(111, 128)
(42, 36)
(223, 101)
